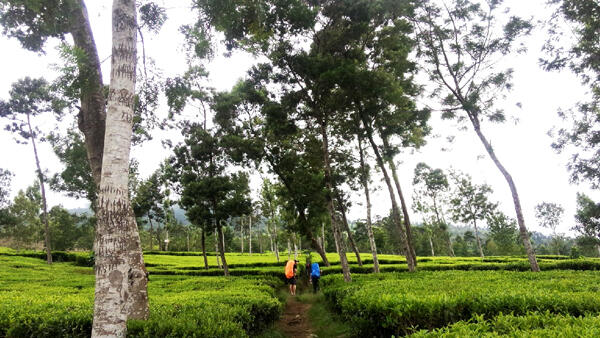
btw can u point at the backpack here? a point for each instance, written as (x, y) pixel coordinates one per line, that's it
(289, 269)
(315, 271)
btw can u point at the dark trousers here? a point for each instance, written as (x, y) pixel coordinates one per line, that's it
(315, 283)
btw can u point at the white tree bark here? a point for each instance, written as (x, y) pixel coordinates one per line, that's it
(43, 192)
(242, 233)
(276, 242)
(478, 239)
(295, 248)
(114, 231)
(217, 251)
(323, 236)
(250, 235)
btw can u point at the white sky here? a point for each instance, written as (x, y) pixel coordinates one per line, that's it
(524, 148)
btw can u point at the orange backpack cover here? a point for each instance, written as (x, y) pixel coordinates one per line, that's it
(289, 269)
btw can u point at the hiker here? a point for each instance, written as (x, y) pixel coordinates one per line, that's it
(290, 275)
(315, 275)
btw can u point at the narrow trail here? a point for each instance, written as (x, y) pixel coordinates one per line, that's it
(295, 323)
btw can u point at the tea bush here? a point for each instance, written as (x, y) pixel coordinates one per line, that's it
(40, 300)
(532, 325)
(400, 303)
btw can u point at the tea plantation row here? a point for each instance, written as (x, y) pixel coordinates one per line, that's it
(400, 303)
(37, 300)
(450, 297)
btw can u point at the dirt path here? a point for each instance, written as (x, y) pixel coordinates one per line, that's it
(294, 323)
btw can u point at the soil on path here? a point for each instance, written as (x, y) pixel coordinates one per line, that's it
(294, 323)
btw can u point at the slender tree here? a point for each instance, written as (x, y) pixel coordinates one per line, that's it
(341, 204)
(470, 203)
(549, 215)
(268, 204)
(30, 98)
(430, 189)
(460, 44)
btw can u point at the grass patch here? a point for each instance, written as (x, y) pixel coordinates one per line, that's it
(325, 323)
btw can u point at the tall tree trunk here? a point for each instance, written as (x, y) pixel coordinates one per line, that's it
(92, 115)
(598, 249)
(337, 235)
(92, 123)
(203, 244)
(119, 264)
(250, 235)
(43, 192)
(217, 251)
(323, 244)
(242, 233)
(289, 249)
(270, 241)
(276, 242)
(222, 249)
(431, 245)
(395, 211)
(159, 238)
(513, 189)
(151, 232)
(478, 239)
(406, 218)
(167, 240)
(364, 178)
(347, 227)
(187, 232)
(450, 249)
(295, 248)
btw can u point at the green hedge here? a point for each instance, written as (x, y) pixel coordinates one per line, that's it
(178, 253)
(79, 258)
(397, 304)
(40, 300)
(530, 325)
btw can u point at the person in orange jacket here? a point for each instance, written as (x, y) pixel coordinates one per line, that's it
(291, 271)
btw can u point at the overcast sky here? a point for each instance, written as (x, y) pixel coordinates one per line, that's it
(524, 147)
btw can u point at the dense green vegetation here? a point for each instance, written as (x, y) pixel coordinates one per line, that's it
(462, 301)
(393, 304)
(531, 325)
(40, 300)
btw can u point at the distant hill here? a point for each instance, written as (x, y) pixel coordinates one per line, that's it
(81, 211)
(180, 215)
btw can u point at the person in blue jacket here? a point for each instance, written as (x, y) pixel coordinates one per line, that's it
(315, 274)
